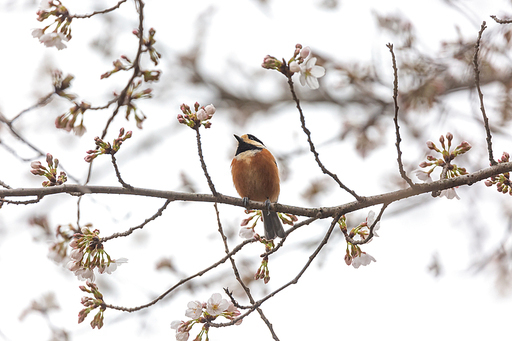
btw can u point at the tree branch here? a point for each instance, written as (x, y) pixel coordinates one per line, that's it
(481, 95)
(320, 213)
(397, 127)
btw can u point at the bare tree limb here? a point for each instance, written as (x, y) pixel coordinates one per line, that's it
(321, 212)
(397, 127)
(481, 95)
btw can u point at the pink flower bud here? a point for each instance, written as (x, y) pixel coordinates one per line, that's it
(431, 145)
(49, 159)
(488, 183)
(305, 52)
(36, 164)
(449, 136)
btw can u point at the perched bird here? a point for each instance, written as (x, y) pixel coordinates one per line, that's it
(256, 177)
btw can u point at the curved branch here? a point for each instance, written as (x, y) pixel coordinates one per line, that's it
(320, 213)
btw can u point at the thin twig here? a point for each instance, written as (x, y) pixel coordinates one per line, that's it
(239, 278)
(25, 202)
(501, 21)
(83, 16)
(287, 232)
(4, 185)
(397, 127)
(371, 228)
(130, 231)
(118, 174)
(184, 280)
(293, 281)
(481, 96)
(41, 102)
(136, 69)
(203, 164)
(312, 146)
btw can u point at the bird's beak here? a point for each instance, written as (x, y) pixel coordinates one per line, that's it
(238, 138)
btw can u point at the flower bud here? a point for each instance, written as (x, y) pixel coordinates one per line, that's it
(449, 136)
(294, 67)
(305, 52)
(49, 159)
(431, 145)
(202, 115)
(270, 62)
(36, 165)
(210, 110)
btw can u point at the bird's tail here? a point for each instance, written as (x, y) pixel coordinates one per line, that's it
(272, 224)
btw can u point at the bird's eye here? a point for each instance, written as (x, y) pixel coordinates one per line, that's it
(254, 138)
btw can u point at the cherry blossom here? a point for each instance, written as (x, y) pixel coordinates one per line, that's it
(52, 39)
(449, 194)
(370, 220)
(363, 259)
(423, 176)
(309, 73)
(195, 309)
(246, 232)
(216, 305)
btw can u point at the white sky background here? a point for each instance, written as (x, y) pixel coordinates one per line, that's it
(395, 297)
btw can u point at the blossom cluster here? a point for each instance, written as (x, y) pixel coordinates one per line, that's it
(87, 253)
(448, 169)
(302, 62)
(354, 255)
(68, 120)
(502, 181)
(107, 148)
(247, 231)
(200, 116)
(133, 92)
(125, 63)
(203, 313)
(62, 32)
(91, 303)
(50, 173)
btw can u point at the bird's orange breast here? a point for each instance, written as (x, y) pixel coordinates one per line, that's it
(255, 175)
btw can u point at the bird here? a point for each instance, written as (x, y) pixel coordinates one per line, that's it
(256, 177)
